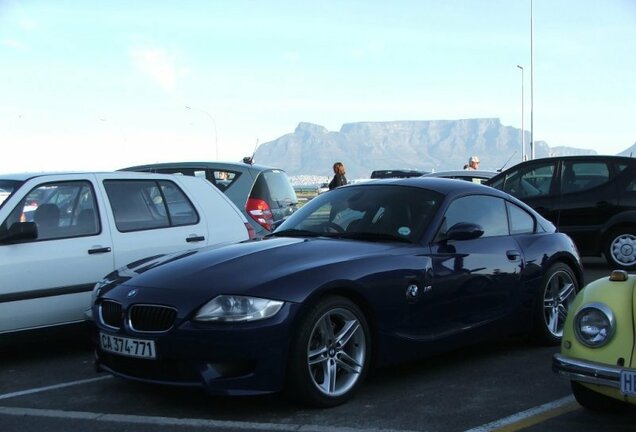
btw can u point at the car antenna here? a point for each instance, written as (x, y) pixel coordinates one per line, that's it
(250, 159)
(506, 163)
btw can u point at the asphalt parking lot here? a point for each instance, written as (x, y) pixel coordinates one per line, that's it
(504, 386)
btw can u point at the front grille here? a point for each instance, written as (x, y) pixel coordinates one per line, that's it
(151, 318)
(110, 313)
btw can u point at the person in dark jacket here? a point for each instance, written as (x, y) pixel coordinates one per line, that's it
(339, 178)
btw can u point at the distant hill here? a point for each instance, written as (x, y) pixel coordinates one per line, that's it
(630, 152)
(435, 145)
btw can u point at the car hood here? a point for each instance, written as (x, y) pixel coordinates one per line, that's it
(276, 268)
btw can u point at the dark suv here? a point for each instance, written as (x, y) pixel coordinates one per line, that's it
(590, 198)
(264, 194)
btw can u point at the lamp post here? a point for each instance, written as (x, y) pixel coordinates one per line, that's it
(216, 137)
(531, 85)
(523, 144)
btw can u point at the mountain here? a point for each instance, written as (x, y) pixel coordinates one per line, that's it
(436, 145)
(631, 151)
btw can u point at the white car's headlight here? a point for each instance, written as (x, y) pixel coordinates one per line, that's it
(233, 308)
(594, 325)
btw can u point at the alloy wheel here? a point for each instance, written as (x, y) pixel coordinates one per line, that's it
(336, 352)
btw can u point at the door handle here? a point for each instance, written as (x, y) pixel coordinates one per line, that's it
(195, 239)
(99, 250)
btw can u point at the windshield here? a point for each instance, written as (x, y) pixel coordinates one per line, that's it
(365, 212)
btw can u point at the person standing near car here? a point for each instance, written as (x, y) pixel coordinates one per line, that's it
(339, 178)
(473, 164)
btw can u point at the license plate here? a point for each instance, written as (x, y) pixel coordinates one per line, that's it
(139, 348)
(628, 383)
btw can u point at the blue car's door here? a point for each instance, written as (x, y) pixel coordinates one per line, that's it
(474, 281)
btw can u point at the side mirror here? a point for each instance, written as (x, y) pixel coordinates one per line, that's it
(464, 231)
(20, 231)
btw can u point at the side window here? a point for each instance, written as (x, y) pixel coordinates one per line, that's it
(59, 210)
(223, 179)
(626, 177)
(488, 212)
(148, 204)
(581, 176)
(532, 181)
(180, 209)
(521, 222)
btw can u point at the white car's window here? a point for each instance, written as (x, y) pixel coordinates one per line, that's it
(148, 204)
(59, 210)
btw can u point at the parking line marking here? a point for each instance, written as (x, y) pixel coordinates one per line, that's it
(169, 421)
(52, 387)
(530, 417)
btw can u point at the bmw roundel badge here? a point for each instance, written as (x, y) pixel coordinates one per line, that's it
(132, 292)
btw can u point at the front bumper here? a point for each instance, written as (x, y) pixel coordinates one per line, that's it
(588, 371)
(230, 359)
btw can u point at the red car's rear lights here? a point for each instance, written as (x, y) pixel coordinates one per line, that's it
(259, 211)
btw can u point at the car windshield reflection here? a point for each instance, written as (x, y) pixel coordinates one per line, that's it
(378, 213)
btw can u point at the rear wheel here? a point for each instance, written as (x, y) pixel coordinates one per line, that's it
(557, 291)
(330, 354)
(620, 248)
(594, 401)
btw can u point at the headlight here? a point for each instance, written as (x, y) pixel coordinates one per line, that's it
(594, 325)
(232, 308)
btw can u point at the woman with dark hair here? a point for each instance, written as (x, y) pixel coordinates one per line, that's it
(339, 178)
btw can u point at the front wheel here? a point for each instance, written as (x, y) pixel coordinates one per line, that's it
(330, 354)
(558, 289)
(620, 249)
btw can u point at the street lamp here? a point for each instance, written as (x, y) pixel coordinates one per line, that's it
(216, 137)
(531, 85)
(523, 144)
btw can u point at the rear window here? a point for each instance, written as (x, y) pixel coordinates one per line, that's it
(274, 186)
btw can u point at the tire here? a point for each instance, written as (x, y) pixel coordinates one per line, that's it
(620, 248)
(594, 401)
(330, 354)
(558, 289)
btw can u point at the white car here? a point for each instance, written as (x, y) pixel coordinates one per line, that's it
(61, 233)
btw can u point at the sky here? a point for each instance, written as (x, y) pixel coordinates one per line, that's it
(100, 85)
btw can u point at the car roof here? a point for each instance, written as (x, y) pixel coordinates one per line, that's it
(29, 175)
(229, 166)
(439, 184)
(463, 173)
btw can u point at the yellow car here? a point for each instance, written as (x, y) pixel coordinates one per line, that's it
(598, 354)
